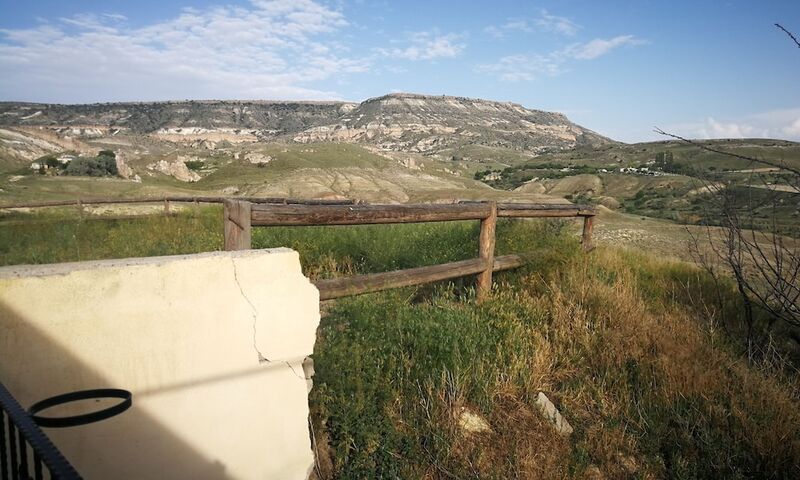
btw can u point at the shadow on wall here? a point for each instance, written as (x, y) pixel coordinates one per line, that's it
(136, 444)
(211, 346)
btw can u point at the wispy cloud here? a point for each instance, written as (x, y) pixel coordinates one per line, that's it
(544, 22)
(265, 49)
(427, 46)
(557, 24)
(97, 23)
(783, 124)
(518, 68)
(527, 67)
(600, 46)
(500, 31)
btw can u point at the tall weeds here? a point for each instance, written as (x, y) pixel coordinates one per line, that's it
(616, 340)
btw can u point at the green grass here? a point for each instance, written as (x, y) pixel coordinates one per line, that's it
(287, 159)
(60, 235)
(616, 341)
(387, 369)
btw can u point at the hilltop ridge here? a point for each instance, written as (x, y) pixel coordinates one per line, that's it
(396, 121)
(392, 148)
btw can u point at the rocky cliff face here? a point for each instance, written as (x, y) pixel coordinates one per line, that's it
(398, 122)
(268, 118)
(422, 123)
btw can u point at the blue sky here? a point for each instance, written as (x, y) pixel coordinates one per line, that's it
(704, 69)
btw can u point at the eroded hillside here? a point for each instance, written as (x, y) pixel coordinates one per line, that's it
(399, 146)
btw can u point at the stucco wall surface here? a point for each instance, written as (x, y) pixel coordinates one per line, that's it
(211, 345)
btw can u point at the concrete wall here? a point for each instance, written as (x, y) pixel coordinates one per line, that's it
(211, 345)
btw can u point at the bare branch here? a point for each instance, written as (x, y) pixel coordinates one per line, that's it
(787, 32)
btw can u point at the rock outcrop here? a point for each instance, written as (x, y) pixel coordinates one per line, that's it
(176, 169)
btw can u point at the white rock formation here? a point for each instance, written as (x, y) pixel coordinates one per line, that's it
(123, 169)
(257, 158)
(176, 169)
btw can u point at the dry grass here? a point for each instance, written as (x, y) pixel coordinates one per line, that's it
(614, 340)
(634, 360)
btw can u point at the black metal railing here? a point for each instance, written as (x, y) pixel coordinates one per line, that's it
(25, 451)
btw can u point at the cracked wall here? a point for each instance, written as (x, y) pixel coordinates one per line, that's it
(211, 345)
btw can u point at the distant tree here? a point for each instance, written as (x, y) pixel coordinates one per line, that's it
(100, 166)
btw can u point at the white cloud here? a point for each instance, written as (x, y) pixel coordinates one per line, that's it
(98, 23)
(783, 124)
(716, 129)
(427, 46)
(554, 23)
(500, 31)
(544, 22)
(792, 130)
(600, 46)
(266, 49)
(514, 68)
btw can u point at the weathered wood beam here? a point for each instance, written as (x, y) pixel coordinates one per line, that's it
(586, 237)
(236, 223)
(274, 215)
(374, 282)
(486, 252)
(543, 210)
(544, 213)
(186, 199)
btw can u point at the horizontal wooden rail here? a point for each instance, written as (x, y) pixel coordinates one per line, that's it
(534, 210)
(275, 215)
(374, 282)
(178, 199)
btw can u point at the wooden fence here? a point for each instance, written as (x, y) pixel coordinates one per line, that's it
(241, 215)
(167, 201)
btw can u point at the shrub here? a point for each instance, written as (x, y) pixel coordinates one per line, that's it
(194, 165)
(100, 166)
(52, 162)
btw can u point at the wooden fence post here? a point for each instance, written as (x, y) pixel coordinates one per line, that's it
(80, 208)
(487, 241)
(586, 238)
(166, 206)
(236, 219)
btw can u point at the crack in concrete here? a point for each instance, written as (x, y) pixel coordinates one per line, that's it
(301, 377)
(261, 357)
